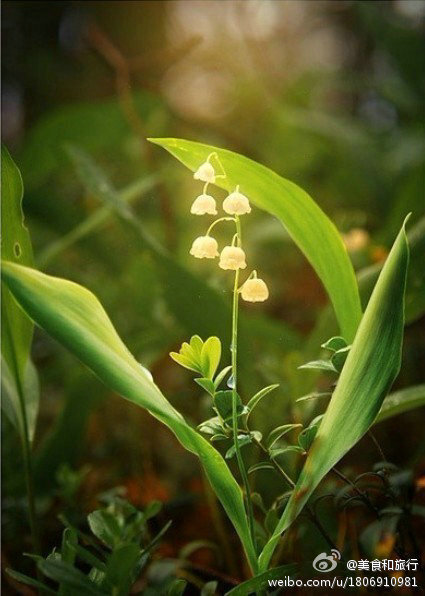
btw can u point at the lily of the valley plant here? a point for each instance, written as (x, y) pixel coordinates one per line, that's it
(365, 357)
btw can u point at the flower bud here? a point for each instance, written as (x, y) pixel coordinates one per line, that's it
(254, 290)
(236, 204)
(232, 257)
(204, 204)
(204, 247)
(205, 172)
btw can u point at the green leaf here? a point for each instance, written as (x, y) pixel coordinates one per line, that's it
(105, 527)
(310, 228)
(196, 344)
(184, 361)
(415, 287)
(206, 384)
(69, 542)
(223, 403)
(262, 465)
(371, 367)
(121, 569)
(401, 401)
(306, 437)
(177, 587)
(66, 574)
(88, 557)
(313, 396)
(29, 581)
(261, 581)
(339, 357)
(319, 365)
(334, 344)
(209, 589)
(220, 376)
(255, 400)
(285, 450)
(211, 426)
(210, 356)
(242, 441)
(279, 432)
(74, 316)
(21, 395)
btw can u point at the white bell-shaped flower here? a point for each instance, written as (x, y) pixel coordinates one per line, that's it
(232, 257)
(205, 172)
(204, 204)
(204, 247)
(254, 290)
(236, 203)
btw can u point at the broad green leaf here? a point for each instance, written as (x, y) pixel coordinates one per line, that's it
(261, 582)
(74, 316)
(415, 288)
(370, 369)
(184, 361)
(310, 228)
(105, 526)
(21, 396)
(210, 356)
(401, 401)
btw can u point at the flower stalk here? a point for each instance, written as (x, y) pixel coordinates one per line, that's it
(234, 351)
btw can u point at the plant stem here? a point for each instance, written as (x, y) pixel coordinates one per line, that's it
(27, 460)
(234, 351)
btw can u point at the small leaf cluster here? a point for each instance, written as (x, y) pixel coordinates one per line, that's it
(114, 554)
(339, 351)
(204, 358)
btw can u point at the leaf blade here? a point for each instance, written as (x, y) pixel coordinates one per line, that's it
(372, 365)
(75, 318)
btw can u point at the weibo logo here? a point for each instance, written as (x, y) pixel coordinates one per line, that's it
(325, 563)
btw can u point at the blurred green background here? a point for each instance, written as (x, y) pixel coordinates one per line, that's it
(328, 94)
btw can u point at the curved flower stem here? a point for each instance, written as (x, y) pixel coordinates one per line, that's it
(218, 221)
(234, 351)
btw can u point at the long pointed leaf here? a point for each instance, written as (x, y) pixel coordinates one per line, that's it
(401, 401)
(370, 369)
(20, 383)
(309, 227)
(74, 316)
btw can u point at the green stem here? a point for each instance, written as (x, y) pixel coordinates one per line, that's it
(27, 460)
(234, 351)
